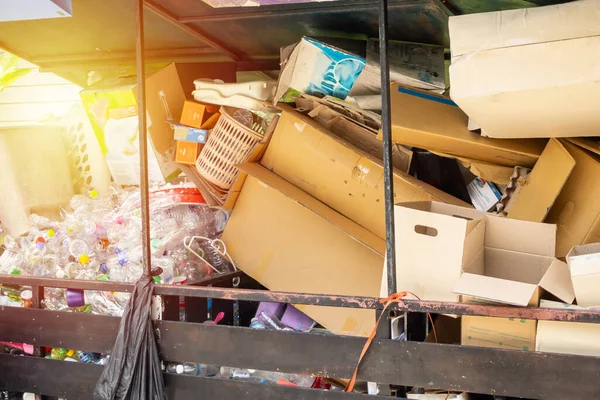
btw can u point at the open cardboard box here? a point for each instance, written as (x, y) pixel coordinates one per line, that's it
(289, 241)
(584, 262)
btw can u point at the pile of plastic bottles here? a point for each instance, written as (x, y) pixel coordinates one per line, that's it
(100, 238)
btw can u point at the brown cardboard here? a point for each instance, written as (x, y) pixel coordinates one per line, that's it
(435, 123)
(351, 127)
(543, 185)
(576, 211)
(339, 174)
(584, 263)
(567, 337)
(510, 72)
(503, 333)
(289, 241)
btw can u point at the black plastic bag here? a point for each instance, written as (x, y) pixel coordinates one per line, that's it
(134, 371)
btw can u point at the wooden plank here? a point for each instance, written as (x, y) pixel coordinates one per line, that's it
(428, 365)
(77, 381)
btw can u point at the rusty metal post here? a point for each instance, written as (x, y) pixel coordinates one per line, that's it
(141, 102)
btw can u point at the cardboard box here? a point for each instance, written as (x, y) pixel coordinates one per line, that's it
(567, 337)
(316, 68)
(187, 134)
(339, 174)
(411, 64)
(187, 152)
(111, 106)
(445, 251)
(502, 333)
(584, 262)
(289, 241)
(431, 122)
(510, 72)
(194, 114)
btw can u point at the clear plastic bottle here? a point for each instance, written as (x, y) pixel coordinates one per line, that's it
(254, 375)
(192, 369)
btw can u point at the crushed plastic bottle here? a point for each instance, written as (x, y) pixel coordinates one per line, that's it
(257, 376)
(192, 369)
(99, 237)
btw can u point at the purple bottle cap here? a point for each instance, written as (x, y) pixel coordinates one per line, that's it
(75, 298)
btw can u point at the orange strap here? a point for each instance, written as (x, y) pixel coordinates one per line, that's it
(395, 298)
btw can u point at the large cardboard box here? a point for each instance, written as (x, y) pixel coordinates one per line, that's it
(338, 173)
(567, 337)
(530, 72)
(111, 106)
(584, 262)
(289, 241)
(445, 251)
(427, 121)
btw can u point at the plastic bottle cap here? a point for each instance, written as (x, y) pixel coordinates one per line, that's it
(39, 245)
(40, 240)
(28, 396)
(60, 274)
(94, 194)
(84, 259)
(179, 369)
(26, 294)
(51, 233)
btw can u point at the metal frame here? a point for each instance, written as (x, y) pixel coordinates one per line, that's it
(483, 370)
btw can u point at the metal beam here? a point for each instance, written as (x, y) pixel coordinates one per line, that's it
(374, 303)
(197, 33)
(298, 10)
(103, 58)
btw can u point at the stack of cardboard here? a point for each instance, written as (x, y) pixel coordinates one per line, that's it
(310, 215)
(519, 82)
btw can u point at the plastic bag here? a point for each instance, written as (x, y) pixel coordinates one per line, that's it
(134, 370)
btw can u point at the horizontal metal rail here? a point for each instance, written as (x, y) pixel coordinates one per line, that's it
(428, 365)
(435, 307)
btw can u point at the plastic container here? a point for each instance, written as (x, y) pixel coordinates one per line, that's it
(34, 175)
(230, 143)
(250, 95)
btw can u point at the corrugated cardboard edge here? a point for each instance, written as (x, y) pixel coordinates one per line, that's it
(587, 144)
(302, 198)
(544, 184)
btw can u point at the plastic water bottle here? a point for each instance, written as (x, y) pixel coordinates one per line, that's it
(254, 375)
(192, 369)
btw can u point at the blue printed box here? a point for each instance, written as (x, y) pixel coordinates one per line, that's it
(188, 134)
(316, 68)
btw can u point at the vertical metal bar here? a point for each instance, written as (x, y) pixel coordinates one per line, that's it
(386, 124)
(141, 101)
